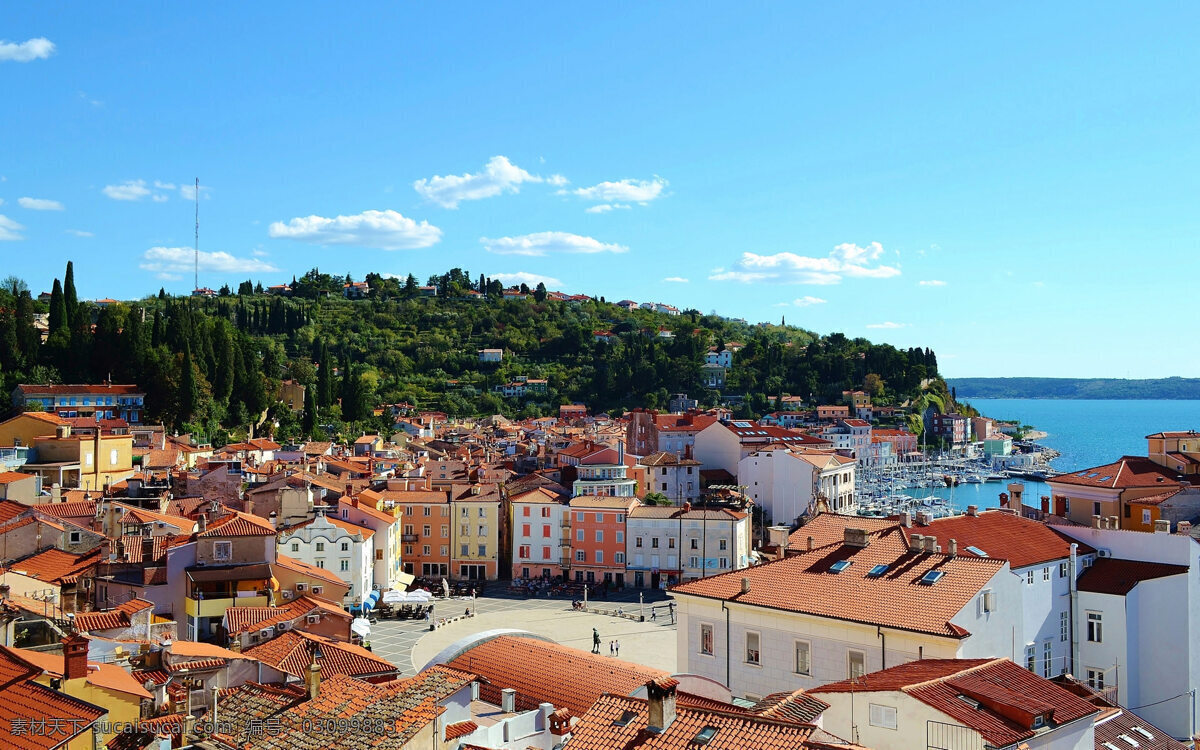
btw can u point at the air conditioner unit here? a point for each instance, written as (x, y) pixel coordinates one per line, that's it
(301, 586)
(267, 632)
(286, 594)
(318, 589)
(285, 625)
(1104, 552)
(312, 619)
(375, 587)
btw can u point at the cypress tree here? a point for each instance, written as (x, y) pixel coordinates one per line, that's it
(58, 308)
(223, 365)
(28, 338)
(310, 411)
(189, 389)
(324, 376)
(71, 298)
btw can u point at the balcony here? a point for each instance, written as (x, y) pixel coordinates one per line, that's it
(565, 523)
(408, 538)
(217, 607)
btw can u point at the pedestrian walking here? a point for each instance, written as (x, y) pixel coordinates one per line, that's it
(612, 648)
(653, 614)
(617, 646)
(595, 641)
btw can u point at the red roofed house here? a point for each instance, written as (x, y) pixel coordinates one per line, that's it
(953, 703)
(104, 400)
(1108, 490)
(864, 597)
(23, 701)
(721, 445)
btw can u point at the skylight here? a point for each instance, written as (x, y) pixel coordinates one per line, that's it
(1132, 742)
(1105, 478)
(969, 701)
(742, 425)
(877, 571)
(1142, 731)
(705, 735)
(625, 718)
(976, 551)
(932, 577)
(839, 566)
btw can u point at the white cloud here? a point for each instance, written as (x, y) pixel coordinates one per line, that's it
(38, 48)
(889, 325)
(40, 204)
(604, 208)
(9, 229)
(844, 260)
(164, 185)
(188, 192)
(931, 282)
(524, 277)
(676, 280)
(499, 175)
(159, 198)
(385, 230)
(543, 243)
(79, 233)
(169, 262)
(805, 301)
(556, 180)
(130, 190)
(628, 190)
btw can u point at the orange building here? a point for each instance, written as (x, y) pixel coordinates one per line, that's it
(598, 538)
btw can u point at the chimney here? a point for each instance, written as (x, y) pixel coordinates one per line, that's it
(313, 682)
(1114, 522)
(508, 701)
(952, 548)
(75, 656)
(274, 519)
(202, 523)
(972, 510)
(906, 519)
(923, 518)
(55, 493)
(1003, 499)
(1184, 527)
(930, 543)
(855, 537)
(745, 585)
(1162, 526)
(661, 698)
(810, 544)
(475, 690)
(777, 536)
(915, 542)
(1096, 522)
(216, 691)
(62, 431)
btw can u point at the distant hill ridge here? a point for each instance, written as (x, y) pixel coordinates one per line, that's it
(1174, 388)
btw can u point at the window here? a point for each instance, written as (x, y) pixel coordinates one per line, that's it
(695, 544)
(723, 545)
(408, 529)
(1096, 509)
(637, 542)
(857, 663)
(1145, 511)
(525, 529)
(1095, 627)
(523, 551)
(1062, 570)
(445, 529)
(427, 530)
(428, 510)
(618, 557)
(295, 546)
(344, 566)
(579, 517)
(378, 554)
(525, 511)
(1047, 658)
(579, 535)
(546, 531)
(112, 457)
(320, 563)
(464, 529)
(671, 543)
(752, 653)
(1064, 625)
(445, 550)
(465, 549)
(599, 518)
(482, 531)
(1029, 577)
(1031, 658)
(545, 553)
(425, 550)
(620, 518)
(580, 556)
(693, 562)
(222, 550)
(599, 535)
(483, 512)
(882, 716)
(75, 537)
(620, 537)
(706, 639)
(1095, 678)
(803, 664)
(345, 546)
(483, 550)
(599, 555)
(1046, 573)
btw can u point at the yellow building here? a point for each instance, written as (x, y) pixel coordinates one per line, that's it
(107, 686)
(89, 463)
(23, 429)
(476, 530)
(1178, 451)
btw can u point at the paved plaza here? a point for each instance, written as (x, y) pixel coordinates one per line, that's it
(409, 644)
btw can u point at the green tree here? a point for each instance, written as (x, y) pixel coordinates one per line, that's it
(58, 308)
(69, 296)
(189, 389)
(310, 412)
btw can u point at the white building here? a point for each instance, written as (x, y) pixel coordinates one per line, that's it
(608, 480)
(958, 703)
(852, 437)
(540, 523)
(491, 355)
(338, 546)
(724, 358)
(786, 483)
(721, 445)
(862, 599)
(387, 565)
(665, 545)
(1138, 614)
(668, 474)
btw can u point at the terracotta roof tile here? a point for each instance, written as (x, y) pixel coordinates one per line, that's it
(292, 652)
(1109, 575)
(1005, 536)
(238, 524)
(1127, 471)
(806, 583)
(794, 706)
(55, 566)
(23, 701)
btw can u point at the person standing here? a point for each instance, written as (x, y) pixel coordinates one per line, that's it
(617, 646)
(612, 648)
(595, 641)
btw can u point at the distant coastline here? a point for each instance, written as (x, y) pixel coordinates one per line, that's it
(1155, 389)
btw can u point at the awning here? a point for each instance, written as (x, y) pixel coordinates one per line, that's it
(370, 602)
(406, 579)
(261, 571)
(361, 627)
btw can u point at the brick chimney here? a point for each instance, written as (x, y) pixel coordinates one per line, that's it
(972, 510)
(855, 537)
(75, 656)
(661, 695)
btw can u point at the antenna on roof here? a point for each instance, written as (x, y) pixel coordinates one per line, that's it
(197, 197)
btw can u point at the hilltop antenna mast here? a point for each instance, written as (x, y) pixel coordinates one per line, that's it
(197, 272)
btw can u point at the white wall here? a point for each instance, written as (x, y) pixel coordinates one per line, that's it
(777, 482)
(848, 717)
(993, 634)
(717, 447)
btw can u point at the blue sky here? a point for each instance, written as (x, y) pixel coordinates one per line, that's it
(1013, 186)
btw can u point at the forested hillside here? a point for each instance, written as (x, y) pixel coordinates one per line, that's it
(215, 365)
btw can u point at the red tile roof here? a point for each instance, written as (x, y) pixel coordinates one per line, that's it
(68, 390)
(238, 524)
(620, 723)
(76, 509)
(23, 701)
(805, 583)
(1008, 697)
(1128, 471)
(796, 706)
(55, 566)
(312, 571)
(460, 729)
(1109, 575)
(1005, 536)
(111, 619)
(8, 477)
(292, 652)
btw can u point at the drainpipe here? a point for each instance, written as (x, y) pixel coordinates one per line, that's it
(882, 646)
(1072, 567)
(728, 645)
